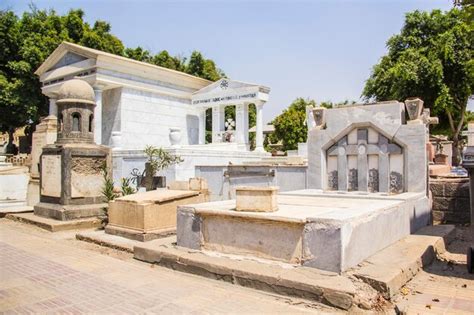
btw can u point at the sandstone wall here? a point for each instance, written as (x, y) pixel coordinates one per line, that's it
(450, 200)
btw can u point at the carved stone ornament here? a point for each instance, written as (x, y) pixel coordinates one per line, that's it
(319, 115)
(414, 108)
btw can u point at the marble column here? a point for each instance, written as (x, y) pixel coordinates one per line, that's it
(98, 116)
(202, 126)
(259, 129)
(242, 123)
(218, 116)
(53, 108)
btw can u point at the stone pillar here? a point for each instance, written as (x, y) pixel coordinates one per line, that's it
(218, 116)
(259, 131)
(98, 117)
(202, 126)
(53, 108)
(242, 123)
(46, 133)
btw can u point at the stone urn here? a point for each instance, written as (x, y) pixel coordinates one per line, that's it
(175, 136)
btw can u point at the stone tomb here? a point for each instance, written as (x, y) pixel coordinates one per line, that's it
(367, 174)
(71, 180)
(145, 216)
(13, 185)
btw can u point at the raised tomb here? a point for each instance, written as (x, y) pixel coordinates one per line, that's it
(145, 216)
(367, 179)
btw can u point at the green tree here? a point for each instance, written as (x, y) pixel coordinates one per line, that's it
(138, 54)
(431, 58)
(164, 59)
(290, 126)
(26, 42)
(202, 67)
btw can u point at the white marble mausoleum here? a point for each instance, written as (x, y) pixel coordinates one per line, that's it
(139, 104)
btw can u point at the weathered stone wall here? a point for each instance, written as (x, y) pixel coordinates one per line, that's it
(450, 200)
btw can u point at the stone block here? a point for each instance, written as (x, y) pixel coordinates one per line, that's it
(437, 188)
(457, 188)
(440, 203)
(197, 183)
(148, 215)
(462, 205)
(256, 199)
(438, 169)
(179, 185)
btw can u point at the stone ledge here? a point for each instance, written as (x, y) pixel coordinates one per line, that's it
(112, 241)
(391, 268)
(20, 209)
(55, 225)
(325, 287)
(138, 235)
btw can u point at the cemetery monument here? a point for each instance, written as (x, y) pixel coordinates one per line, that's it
(367, 171)
(70, 169)
(140, 104)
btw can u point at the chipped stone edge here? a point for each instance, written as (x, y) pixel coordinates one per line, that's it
(190, 261)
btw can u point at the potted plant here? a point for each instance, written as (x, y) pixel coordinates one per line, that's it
(158, 159)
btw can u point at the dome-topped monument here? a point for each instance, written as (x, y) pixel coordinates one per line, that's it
(70, 170)
(76, 90)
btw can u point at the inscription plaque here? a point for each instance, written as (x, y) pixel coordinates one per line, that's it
(51, 175)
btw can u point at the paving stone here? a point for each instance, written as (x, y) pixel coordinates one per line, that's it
(42, 273)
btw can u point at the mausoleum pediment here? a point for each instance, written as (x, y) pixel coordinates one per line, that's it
(225, 91)
(68, 59)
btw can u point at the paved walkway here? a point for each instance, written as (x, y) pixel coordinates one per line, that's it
(44, 272)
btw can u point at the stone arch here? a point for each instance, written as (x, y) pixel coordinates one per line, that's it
(76, 122)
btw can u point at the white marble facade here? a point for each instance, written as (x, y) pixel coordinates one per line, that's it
(139, 104)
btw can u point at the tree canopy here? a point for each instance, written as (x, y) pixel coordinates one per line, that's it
(431, 58)
(290, 126)
(28, 40)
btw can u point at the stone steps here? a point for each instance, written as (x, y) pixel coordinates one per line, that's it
(391, 268)
(55, 225)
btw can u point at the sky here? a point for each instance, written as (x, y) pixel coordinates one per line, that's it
(322, 50)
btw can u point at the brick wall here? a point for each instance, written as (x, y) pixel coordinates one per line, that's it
(450, 200)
